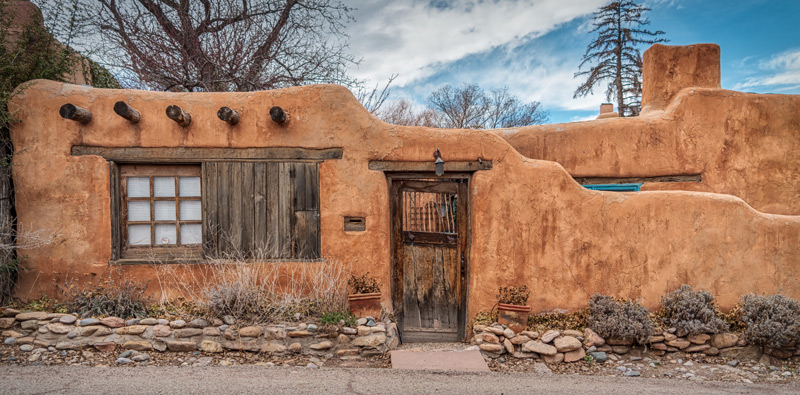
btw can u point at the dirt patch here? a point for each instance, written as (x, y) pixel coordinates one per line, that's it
(687, 367)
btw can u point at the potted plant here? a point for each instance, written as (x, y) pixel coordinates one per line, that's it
(366, 297)
(512, 309)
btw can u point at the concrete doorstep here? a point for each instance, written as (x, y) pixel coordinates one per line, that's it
(456, 361)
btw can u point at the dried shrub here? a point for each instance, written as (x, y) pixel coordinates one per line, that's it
(364, 284)
(559, 320)
(251, 289)
(119, 297)
(772, 321)
(484, 318)
(691, 312)
(734, 319)
(513, 295)
(619, 319)
(237, 299)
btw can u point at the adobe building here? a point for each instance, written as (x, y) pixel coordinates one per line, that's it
(701, 189)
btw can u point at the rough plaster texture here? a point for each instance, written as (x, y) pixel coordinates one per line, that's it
(745, 145)
(666, 69)
(531, 222)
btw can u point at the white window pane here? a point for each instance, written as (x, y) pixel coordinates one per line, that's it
(191, 234)
(164, 186)
(189, 186)
(166, 234)
(139, 235)
(138, 187)
(138, 211)
(190, 210)
(164, 210)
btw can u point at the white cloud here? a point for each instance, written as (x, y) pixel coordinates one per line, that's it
(781, 72)
(583, 118)
(414, 39)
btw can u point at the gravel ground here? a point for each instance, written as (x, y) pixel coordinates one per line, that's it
(292, 380)
(683, 368)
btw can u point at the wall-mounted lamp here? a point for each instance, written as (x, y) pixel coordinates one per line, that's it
(439, 163)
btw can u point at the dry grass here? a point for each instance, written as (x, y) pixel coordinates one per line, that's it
(12, 247)
(255, 290)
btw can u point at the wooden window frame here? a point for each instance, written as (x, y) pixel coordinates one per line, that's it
(122, 254)
(152, 253)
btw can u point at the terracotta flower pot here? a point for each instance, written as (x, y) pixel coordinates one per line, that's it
(363, 305)
(515, 316)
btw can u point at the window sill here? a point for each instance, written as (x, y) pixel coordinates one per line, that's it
(200, 261)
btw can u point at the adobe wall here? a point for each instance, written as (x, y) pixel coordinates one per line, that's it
(531, 222)
(746, 145)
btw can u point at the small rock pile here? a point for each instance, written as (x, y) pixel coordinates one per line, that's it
(36, 330)
(556, 346)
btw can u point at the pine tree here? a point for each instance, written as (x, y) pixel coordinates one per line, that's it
(614, 53)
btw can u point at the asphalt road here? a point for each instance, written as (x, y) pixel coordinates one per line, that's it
(276, 380)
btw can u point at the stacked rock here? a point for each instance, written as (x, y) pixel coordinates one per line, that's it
(556, 346)
(66, 332)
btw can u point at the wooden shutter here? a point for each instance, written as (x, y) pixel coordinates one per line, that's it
(261, 210)
(116, 227)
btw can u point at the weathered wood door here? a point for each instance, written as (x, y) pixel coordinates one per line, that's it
(429, 274)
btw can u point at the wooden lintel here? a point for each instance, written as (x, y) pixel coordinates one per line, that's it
(452, 166)
(638, 180)
(193, 155)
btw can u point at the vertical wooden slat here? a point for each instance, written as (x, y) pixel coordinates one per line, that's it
(235, 201)
(306, 234)
(273, 191)
(285, 209)
(247, 209)
(211, 224)
(260, 223)
(116, 198)
(305, 226)
(223, 207)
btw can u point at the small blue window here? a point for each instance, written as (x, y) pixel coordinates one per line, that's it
(614, 187)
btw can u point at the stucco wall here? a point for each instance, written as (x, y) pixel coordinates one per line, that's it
(531, 223)
(742, 144)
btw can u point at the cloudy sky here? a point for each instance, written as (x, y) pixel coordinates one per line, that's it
(534, 46)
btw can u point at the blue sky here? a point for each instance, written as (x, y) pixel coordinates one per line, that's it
(534, 46)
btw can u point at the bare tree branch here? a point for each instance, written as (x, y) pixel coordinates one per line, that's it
(221, 45)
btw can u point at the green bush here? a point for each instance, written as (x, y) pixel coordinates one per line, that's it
(772, 321)
(619, 319)
(691, 312)
(337, 318)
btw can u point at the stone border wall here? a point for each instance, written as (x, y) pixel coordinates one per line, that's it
(556, 346)
(30, 330)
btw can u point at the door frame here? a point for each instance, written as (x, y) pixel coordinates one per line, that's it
(396, 243)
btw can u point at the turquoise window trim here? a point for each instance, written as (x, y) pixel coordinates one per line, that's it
(615, 187)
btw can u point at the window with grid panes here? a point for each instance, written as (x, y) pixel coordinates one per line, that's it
(264, 210)
(161, 207)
